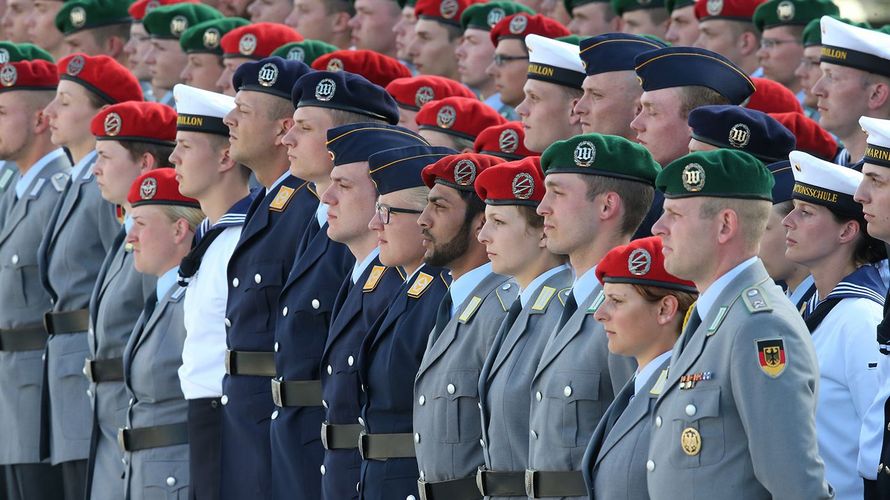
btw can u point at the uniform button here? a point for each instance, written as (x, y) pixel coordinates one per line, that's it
(690, 410)
(84, 371)
(479, 404)
(888, 426)
(417, 437)
(258, 278)
(650, 465)
(482, 443)
(324, 403)
(450, 388)
(357, 487)
(284, 311)
(880, 468)
(274, 414)
(228, 323)
(410, 497)
(657, 421)
(533, 434)
(361, 421)
(421, 400)
(350, 361)
(506, 286)
(235, 282)
(539, 396)
(43, 357)
(276, 346)
(132, 401)
(567, 391)
(362, 387)
(322, 469)
(89, 393)
(171, 481)
(15, 259)
(330, 369)
(124, 461)
(315, 304)
(887, 470)
(224, 400)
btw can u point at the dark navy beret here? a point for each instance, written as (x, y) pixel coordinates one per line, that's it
(686, 66)
(347, 92)
(749, 130)
(784, 177)
(272, 75)
(614, 52)
(399, 168)
(357, 141)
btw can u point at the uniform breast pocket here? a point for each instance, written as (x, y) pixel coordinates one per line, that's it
(575, 406)
(20, 269)
(458, 410)
(264, 282)
(698, 429)
(164, 480)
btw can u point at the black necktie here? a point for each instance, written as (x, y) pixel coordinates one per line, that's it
(443, 315)
(691, 326)
(191, 262)
(568, 311)
(509, 319)
(619, 405)
(883, 329)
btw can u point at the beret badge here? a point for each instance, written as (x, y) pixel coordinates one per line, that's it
(4, 56)
(268, 75)
(494, 16)
(335, 64)
(693, 177)
(446, 116)
(448, 8)
(148, 189)
(211, 38)
(518, 24)
(8, 75)
(785, 11)
(465, 173)
(739, 135)
(508, 141)
(714, 7)
(113, 124)
(78, 16)
(639, 262)
(75, 65)
(296, 54)
(523, 186)
(178, 24)
(325, 90)
(247, 44)
(585, 154)
(424, 95)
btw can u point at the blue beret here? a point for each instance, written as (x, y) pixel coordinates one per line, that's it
(357, 141)
(784, 177)
(347, 92)
(272, 75)
(399, 168)
(685, 66)
(614, 52)
(734, 127)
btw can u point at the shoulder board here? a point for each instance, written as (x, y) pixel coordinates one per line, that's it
(471, 309)
(59, 181)
(544, 296)
(282, 198)
(755, 301)
(563, 295)
(421, 284)
(38, 186)
(5, 177)
(373, 278)
(597, 302)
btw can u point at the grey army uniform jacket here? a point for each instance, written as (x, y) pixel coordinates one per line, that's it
(9, 174)
(747, 429)
(446, 388)
(22, 304)
(575, 381)
(151, 363)
(507, 373)
(79, 236)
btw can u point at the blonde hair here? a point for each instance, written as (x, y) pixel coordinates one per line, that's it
(193, 216)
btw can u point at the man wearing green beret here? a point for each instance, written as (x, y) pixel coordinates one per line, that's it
(41, 26)
(642, 17)
(740, 396)
(592, 17)
(166, 59)
(200, 42)
(323, 20)
(95, 27)
(683, 26)
(781, 24)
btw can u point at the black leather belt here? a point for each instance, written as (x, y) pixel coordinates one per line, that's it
(340, 436)
(257, 363)
(500, 483)
(296, 392)
(23, 339)
(463, 489)
(385, 446)
(67, 322)
(104, 370)
(158, 436)
(541, 484)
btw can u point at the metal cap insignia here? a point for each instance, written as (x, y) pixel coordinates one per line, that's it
(523, 186)
(448, 8)
(739, 135)
(296, 54)
(446, 116)
(78, 16)
(8, 75)
(518, 24)
(639, 262)
(149, 188)
(211, 38)
(247, 44)
(785, 11)
(693, 177)
(75, 65)
(325, 90)
(585, 154)
(268, 75)
(113, 124)
(715, 7)
(335, 64)
(508, 141)
(178, 24)
(464, 173)
(423, 96)
(494, 16)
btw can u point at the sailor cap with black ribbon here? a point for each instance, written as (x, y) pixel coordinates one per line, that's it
(855, 47)
(877, 149)
(200, 110)
(554, 61)
(827, 184)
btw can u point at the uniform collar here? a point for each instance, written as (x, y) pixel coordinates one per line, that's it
(645, 373)
(461, 287)
(79, 170)
(166, 282)
(795, 295)
(235, 216)
(24, 181)
(275, 184)
(706, 300)
(128, 222)
(321, 214)
(584, 285)
(360, 267)
(526, 295)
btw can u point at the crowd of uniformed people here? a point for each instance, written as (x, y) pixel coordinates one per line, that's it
(443, 250)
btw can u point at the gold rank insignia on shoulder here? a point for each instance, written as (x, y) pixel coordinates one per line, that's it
(543, 299)
(600, 298)
(421, 283)
(373, 278)
(689, 381)
(470, 310)
(771, 356)
(282, 199)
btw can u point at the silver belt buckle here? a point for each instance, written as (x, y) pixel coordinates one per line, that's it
(276, 392)
(122, 439)
(88, 369)
(530, 483)
(422, 489)
(229, 361)
(480, 479)
(324, 433)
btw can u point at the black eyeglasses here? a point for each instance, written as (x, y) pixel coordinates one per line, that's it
(384, 212)
(500, 60)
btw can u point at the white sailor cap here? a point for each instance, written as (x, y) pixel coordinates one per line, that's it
(554, 61)
(828, 184)
(847, 45)
(200, 110)
(877, 151)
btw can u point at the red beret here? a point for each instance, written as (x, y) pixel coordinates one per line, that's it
(413, 92)
(142, 7)
(811, 137)
(258, 40)
(522, 24)
(376, 67)
(734, 10)
(640, 263)
(136, 121)
(159, 187)
(773, 97)
(519, 182)
(101, 75)
(459, 116)
(444, 11)
(505, 141)
(458, 171)
(29, 75)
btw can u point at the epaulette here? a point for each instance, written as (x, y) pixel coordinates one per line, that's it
(5, 177)
(597, 302)
(470, 310)
(755, 301)
(543, 299)
(282, 198)
(59, 181)
(421, 284)
(373, 278)
(37, 188)
(505, 304)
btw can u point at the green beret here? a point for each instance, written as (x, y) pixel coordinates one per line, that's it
(571, 4)
(14, 52)
(622, 6)
(406, 3)
(306, 51)
(672, 5)
(171, 21)
(604, 155)
(791, 12)
(484, 16)
(77, 15)
(572, 39)
(812, 34)
(205, 36)
(722, 173)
